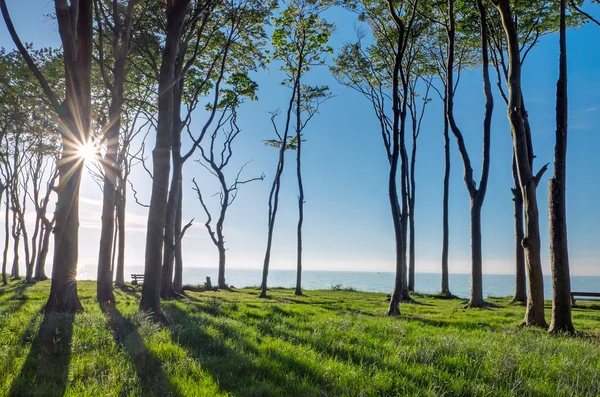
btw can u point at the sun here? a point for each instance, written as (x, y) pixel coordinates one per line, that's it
(87, 152)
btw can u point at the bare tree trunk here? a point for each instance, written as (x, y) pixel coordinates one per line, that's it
(521, 275)
(477, 195)
(150, 301)
(40, 266)
(14, 273)
(528, 181)
(298, 291)
(6, 241)
(559, 252)
(104, 284)
(411, 219)
(120, 276)
(445, 202)
(222, 259)
(476, 256)
(167, 291)
(63, 292)
(34, 246)
(178, 278)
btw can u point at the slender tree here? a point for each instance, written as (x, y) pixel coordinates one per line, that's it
(559, 253)
(115, 24)
(300, 41)
(217, 156)
(416, 115)
(528, 181)
(476, 194)
(176, 11)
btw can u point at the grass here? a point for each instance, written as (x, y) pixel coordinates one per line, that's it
(326, 343)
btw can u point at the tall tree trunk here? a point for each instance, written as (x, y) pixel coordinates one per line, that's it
(28, 267)
(274, 194)
(477, 195)
(178, 278)
(40, 265)
(273, 206)
(559, 253)
(35, 245)
(298, 290)
(528, 181)
(63, 291)
(6, 241)
(476, 256)
(150, 301)
(445, 201)
(521, 275)
(167, 291)
(104, 285)
(120, 276)
(411, 219)
(398, 150)
(14, 272)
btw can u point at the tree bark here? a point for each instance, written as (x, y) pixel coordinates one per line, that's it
(40, 266)
(14, 272)
(398, 150)
(150, 301)
(6, 241)
(298, 291)
(167, 291)
(476, 256)
(120, 276)
(528, 182)
(104, 284)
(559, 252)
(477, 195)
(445, 201)
(178, 278)
(411, 220)
(521, 275)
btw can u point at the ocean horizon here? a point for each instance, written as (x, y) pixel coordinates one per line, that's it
(428, 283)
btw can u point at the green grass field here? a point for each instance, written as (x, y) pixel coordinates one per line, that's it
(327, 343)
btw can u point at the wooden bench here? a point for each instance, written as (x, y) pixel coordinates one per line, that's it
(135, 278)
(584, 296)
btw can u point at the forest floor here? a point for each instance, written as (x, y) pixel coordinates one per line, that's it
(327, 343)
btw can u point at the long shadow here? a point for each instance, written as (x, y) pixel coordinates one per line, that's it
(462, 325)
(46, 368)
(238, 365)
(154, 381)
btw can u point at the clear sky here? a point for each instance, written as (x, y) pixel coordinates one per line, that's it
(347, 215)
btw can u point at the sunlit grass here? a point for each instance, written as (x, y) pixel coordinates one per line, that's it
(327, 343)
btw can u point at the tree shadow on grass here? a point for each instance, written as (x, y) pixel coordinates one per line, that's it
(46, 368)
(236, 362)
(153, 380)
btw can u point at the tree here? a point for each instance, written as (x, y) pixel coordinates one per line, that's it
(559, 253)
(217, 156)
(528, 181)
(533, 20)
(75, 28)
(416, 115)
(232, 37)
(299, 40)
(383, 72)
(477, 195)
(150, 301)
(114, 20)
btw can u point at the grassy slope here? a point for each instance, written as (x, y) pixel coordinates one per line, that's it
(328, 343)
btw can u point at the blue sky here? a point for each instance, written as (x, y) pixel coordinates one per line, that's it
(347, 215)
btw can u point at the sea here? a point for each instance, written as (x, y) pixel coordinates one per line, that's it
(494, 285)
